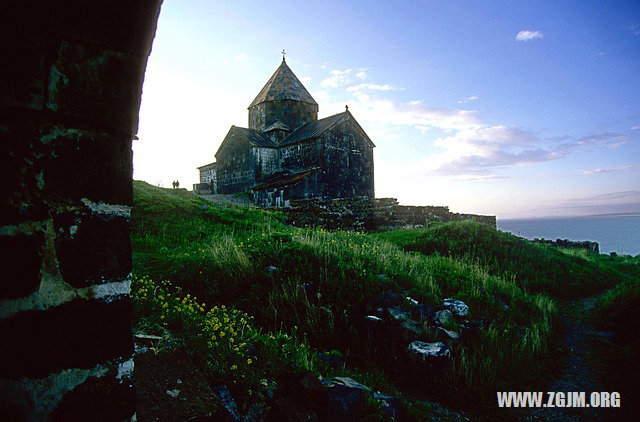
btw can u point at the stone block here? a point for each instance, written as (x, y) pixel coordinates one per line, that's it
(78, 334)
(94, 84)
(20, 198)
(86, 164)
(97, 399)
(22, 74)
(21, 261)
(92, 247)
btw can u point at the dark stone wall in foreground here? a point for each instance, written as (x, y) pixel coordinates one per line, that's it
(70, 87)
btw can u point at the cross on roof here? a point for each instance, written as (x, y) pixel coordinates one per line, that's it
(283, 54)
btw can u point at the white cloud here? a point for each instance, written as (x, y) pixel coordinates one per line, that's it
(526, 35)
(337, 78)
(631, 168)
(306, 79)
(635, 128)
(372, 87)
(468, 99)
(362, 74)
(320, 96)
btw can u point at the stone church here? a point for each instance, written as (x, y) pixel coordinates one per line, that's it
(287, 153)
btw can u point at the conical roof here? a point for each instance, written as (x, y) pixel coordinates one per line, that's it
(283, 85)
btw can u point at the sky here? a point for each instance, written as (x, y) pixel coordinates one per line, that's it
(512, 108)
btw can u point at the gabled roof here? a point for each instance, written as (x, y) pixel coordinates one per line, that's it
(214, 164)
(277, 126)
(283, 85)
(254, 137)
(285, 179)
(317, 128)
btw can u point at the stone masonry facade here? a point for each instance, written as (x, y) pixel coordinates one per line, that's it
(287, 154)
(70, 88)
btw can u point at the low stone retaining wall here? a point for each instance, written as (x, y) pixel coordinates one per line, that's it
(367, 214)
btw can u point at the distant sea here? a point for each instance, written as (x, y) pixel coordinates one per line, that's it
(616, 233)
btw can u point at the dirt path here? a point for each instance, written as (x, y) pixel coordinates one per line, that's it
(579, 373)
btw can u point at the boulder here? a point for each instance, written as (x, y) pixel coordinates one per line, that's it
(395, 313)
(429, 352)
(447, 335)
(457, 307)
(423, 312)
(388, 299)
(347, 399)
(442, 317)
(392, 405)
(411, 330)
(228, 410)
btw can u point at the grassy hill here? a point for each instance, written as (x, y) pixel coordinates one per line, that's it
(536, 267)
(286, 293)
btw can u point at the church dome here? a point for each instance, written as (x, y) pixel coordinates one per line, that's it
(283, 85)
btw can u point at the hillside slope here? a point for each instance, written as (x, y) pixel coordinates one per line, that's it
(312, 290)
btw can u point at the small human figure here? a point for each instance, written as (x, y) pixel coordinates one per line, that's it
(173, 183)
(177, 184)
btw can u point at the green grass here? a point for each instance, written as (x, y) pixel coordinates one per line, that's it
(322, 282)
(536, 267)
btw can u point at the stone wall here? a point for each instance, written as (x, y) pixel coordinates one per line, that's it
(292, 113)
(236, 167)
(347, 163)
(70, 87)
(362, 213)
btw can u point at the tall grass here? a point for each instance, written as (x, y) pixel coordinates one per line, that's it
(316, 285)
(536, 267)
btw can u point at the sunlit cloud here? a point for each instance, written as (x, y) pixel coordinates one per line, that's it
(631, 168)
(526, 35)
(337, 78)
(372, 87)
(362, 74)
(468, 99)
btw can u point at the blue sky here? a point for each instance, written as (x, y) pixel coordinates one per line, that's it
(520, 109)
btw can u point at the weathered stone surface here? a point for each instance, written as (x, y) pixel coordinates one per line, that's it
(347, 399)
(457, 307)
(395, 313)
(97, 399)
(429, 352)
(95, 82)
(422, 312)
(442, 317)
(229, 409)
(92, 247)
(68, 152)
(411, 330)
(446, 335)
(69, 96)
(392, 405)
(387, 299)
(21, 262)
(79, 334)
